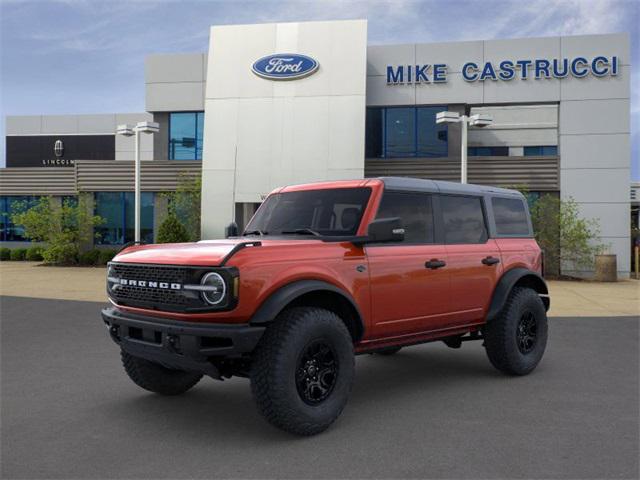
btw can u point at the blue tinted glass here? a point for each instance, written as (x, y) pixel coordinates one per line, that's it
(374, 132)
(199, 134)
(400, 132)
(550, 151)
(10, 232)
(146, 217)
(185, 135)
(532, 151)
(117, 209)
(432, 138)
(109, 206)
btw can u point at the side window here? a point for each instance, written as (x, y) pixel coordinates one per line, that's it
(415, 211)
(463, 219)
(511, 216)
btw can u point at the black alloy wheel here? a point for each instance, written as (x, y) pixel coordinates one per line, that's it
(317, 372)
(526, 332)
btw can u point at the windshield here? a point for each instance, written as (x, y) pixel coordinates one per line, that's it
(327, 212)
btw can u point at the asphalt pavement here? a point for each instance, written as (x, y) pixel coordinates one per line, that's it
(69, 411)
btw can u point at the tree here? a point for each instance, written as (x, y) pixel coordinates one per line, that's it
(64, 227)
(569, 241)
(172, 231)
(184, 203)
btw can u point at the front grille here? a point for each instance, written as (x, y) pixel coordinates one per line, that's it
(163, 287)
(158, 273)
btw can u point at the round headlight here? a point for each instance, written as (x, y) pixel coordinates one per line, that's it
(215, 288)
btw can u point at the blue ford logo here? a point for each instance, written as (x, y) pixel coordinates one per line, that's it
(285, 66)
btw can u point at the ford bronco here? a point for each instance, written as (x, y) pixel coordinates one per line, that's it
(324, 272)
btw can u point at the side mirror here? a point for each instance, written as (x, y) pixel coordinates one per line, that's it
(231, 230)
(385, 230)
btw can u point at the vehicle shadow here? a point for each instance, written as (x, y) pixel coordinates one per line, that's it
(226, 409)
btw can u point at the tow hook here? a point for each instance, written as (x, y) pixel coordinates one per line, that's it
(114, 331)
(172, 343)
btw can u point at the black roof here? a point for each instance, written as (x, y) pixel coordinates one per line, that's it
(439, 186)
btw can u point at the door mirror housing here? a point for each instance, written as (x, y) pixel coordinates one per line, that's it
(231, 230)
(385, 230)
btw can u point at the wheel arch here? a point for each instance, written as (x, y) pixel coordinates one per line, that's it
(315, 293)
(517, 277)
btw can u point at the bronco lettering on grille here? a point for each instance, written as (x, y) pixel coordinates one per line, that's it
(150, 284)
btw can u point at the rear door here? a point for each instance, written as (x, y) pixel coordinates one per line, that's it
(474, 258)
(408, 296)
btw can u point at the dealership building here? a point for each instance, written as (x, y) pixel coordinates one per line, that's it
(276, 104)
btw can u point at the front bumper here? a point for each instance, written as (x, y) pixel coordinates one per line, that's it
(180, 345)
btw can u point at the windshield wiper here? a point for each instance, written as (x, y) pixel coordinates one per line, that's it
(302, 231)
(253, 232)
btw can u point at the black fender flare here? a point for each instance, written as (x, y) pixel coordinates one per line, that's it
(282, 297)
(506, 283)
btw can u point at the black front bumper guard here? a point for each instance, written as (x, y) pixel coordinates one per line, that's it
(180, 345)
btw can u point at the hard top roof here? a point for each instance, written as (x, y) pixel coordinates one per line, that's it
(439, 186)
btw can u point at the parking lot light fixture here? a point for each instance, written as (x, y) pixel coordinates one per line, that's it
(477, 120)
(128, 131)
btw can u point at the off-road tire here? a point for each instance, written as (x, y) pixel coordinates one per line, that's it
(388, 351)
(276, 368)
(501, 334)
(156, 378)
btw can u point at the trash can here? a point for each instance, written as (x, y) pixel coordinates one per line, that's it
(606, 268)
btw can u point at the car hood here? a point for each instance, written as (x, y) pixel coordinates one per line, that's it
(209, 253)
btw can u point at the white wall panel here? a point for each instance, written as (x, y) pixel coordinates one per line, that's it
(595, 151)
(593, 88)
(594, 117)
(275, 133)
(596, 185)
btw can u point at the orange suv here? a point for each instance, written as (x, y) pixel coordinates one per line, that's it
(324, 272)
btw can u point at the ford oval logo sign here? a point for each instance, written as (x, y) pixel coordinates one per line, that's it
(285, 66)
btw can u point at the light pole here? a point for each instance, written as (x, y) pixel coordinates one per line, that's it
(128, 131)
(477, 120)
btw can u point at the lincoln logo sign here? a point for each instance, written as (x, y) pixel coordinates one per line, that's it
(58, 148)
(285, 66)
(505, 70)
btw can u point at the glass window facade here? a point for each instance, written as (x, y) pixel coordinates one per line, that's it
(9, 232)
(117, 209)
(541, 151)
(488, 151)
(400, 132)
(185, 135)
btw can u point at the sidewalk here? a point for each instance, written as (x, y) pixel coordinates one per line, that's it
(568, 299)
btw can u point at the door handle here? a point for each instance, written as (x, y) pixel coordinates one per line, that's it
(435, 263)
(490, 260)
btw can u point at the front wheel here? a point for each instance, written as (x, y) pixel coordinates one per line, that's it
(156, 378)
(302, 370)
(516, 340)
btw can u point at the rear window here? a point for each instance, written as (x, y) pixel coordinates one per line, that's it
(463, 219)
(511, 217)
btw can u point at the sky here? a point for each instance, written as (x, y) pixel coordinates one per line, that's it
(87, 56)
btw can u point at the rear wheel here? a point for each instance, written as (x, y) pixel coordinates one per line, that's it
(303, 370)
(516, 340)
(156, 378)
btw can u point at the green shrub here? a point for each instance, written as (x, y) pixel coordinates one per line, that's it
(5, 254)
(61, 254)
(64, 227)
(172, 231)
(106, 256)
(90, 257)
(34, 254)
(18, 254)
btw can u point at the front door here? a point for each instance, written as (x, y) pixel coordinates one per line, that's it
(409, 280)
